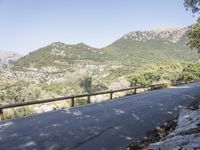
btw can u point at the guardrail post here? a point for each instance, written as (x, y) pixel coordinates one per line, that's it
(111, 95)
(1, 114)
(88, 99)
(72, 102)
(135, 91)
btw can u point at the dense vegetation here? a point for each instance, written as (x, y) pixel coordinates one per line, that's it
(194, 33)
(194, 36)
(148, 74)
(138, 58)
(62, 56)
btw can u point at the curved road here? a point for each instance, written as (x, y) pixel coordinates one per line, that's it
(107, 126)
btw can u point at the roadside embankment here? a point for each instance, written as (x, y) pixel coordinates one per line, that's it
(180, 133)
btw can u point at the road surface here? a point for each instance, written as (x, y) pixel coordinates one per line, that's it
(107, 126)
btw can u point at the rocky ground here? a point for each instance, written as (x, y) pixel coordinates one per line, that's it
(181, 133)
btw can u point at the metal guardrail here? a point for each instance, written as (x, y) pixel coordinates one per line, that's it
(72, 98)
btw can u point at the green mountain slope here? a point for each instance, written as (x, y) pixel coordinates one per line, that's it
(139, 48)
(134, 49)
(61, 55)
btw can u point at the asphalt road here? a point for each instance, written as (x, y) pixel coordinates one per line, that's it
(107, 126)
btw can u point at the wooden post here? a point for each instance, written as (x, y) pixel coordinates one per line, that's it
(1, 114)
(72, 102)
(88, 99)
(111, 95)
(135, 91)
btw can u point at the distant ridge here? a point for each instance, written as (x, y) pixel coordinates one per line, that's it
(170, 34)
(8, 56)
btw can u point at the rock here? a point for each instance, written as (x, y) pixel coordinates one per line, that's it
(172, 34)
(186, 136)
(187, 121)
(185, 142)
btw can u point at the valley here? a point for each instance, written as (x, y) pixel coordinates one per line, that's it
(137, 58)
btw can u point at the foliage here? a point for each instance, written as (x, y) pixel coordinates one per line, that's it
(144, 79)
(191, 72)
(194, 5)
(194, 36)
(13, 92)
(19, 92)
(153, 73)
(194, 33)
(86, 84)
(164, 72)
(121, 84)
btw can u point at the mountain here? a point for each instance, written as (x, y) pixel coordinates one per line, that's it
(6, 57)
(170, 34)
(142, 47)
(61, 55)
(133, 49)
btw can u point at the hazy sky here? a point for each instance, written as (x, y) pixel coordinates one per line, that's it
(26, 25)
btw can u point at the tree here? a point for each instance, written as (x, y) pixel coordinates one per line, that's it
(191, 72)
(194, 36)
(194, 5)
(142, 79)
(194, 33)
(86, 83)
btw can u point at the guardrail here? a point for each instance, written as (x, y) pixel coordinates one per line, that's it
(72, 98)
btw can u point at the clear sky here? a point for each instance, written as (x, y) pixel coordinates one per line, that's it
(26, 25)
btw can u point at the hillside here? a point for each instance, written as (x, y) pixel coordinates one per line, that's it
(141, 47)
(134, 49)
(62, 56)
